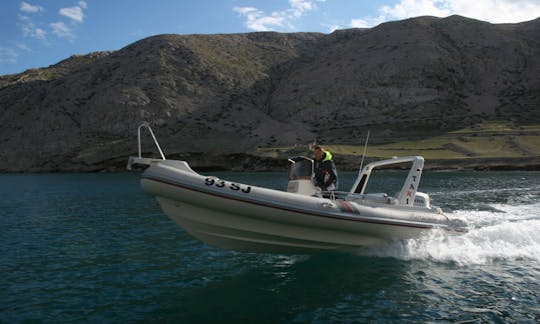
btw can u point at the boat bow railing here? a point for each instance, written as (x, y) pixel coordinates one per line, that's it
(139, 159)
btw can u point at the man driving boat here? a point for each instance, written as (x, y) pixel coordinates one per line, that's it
(325, 170)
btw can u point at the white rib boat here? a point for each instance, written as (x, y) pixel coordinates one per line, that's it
(303, 219)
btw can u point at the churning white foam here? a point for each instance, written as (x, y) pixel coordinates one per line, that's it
(509, 232)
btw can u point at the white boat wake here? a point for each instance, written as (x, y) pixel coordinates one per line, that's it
(510, 234)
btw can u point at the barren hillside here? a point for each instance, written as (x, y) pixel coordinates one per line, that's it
(230, 94)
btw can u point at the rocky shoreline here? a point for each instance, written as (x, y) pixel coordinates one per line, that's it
(242, 162)
(247, 162)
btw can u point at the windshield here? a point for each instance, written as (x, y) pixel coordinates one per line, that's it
(301, 168)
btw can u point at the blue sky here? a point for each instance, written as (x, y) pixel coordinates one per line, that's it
(38, 33)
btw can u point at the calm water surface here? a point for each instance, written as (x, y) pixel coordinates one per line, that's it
(95, 248)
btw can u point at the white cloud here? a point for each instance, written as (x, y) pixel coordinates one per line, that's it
(38, 30)
(258, 20)
(497, 11)
(494, 11)
(367, 22)
(246, 10)
(39, 33)
(298, 7)
(27, 25)
(74, 13)
(60, 29)
(333, 28)
(26, 7)
(29, 29)
(412, 8)
(23, 47)
(8, 55)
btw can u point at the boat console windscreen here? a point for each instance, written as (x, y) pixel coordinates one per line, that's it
(387, 179)
(301, 168)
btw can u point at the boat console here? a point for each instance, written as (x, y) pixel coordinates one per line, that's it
(301, 176)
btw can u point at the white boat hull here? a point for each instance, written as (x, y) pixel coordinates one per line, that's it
(247, 218)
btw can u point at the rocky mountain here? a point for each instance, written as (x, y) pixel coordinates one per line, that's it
(226, 95)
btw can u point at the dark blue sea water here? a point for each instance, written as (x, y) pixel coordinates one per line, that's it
(95, 248)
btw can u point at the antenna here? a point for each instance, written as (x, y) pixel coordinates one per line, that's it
(365, 149)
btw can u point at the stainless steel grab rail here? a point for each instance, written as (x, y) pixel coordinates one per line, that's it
(145, 124)
(139, 159)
